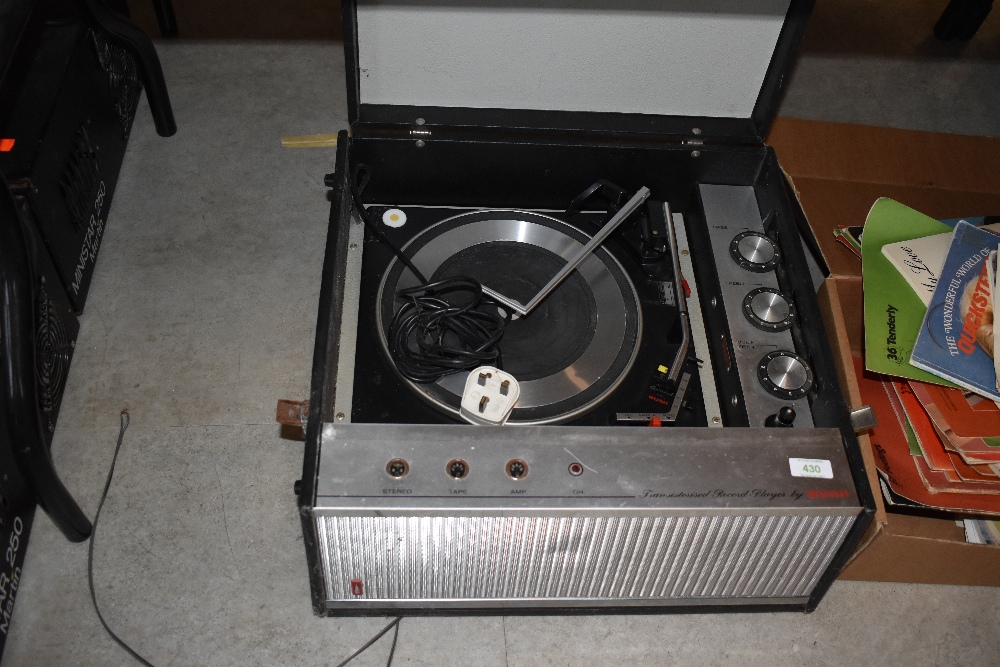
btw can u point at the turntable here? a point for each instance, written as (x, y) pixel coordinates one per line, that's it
(574, 356)
(594, 238)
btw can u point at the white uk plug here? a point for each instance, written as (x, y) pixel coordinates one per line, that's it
(489, 396)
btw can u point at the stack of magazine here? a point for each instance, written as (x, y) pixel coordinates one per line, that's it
(929, 369)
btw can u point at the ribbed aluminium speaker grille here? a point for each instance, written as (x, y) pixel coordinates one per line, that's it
(602, 558)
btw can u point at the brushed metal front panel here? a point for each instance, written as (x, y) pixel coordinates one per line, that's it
(475, 560)
(625, 470)
(729, 211)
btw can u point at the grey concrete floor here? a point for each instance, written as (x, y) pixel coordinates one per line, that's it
(202, 314)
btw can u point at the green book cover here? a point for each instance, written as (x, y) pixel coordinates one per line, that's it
(893, 311)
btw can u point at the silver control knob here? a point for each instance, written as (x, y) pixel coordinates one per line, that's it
(754, 252)
(768, 309)
(785, 375)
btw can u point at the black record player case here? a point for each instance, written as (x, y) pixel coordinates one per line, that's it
(663, 103)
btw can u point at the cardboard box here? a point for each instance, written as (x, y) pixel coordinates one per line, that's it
(838, 171)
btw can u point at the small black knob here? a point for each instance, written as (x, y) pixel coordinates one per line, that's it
(330, 180)
(297, 487)
(785, 417)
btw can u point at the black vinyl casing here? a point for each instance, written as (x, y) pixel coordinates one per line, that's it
(532, 159)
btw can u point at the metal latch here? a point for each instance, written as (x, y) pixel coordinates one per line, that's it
(863, 418)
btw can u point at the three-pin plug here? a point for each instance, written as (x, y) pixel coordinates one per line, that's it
(489, 397)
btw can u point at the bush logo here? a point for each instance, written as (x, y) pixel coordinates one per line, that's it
(826, 493)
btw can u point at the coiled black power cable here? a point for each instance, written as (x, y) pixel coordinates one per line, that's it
(430, 337)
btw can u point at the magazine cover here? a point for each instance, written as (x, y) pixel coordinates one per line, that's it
(962, 413)
(991, 272)
(955, 341)
(978, 221)
(893, 311)
(898, 468)
(920, 260)
(850, 237)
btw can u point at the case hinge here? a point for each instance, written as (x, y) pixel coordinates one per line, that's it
(420, 133)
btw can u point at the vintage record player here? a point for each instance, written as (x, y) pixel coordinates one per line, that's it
(638, 408)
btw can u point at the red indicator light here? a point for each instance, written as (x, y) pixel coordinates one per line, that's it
(575, 469)
(6, 145)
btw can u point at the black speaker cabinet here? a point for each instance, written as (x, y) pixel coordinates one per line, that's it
(56, 329)
(475, 128)
(68, 102)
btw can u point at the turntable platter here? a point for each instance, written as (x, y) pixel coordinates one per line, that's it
(569, 353)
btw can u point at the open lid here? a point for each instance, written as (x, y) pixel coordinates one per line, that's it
(712, 68)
